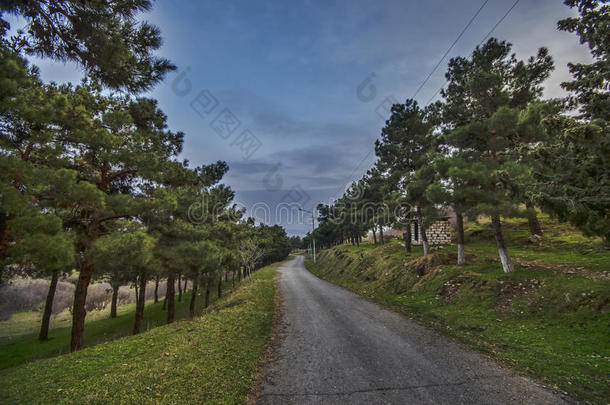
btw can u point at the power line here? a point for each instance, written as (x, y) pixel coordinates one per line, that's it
(450, 48)
(432, 72)
(500, 21)
(483, 40)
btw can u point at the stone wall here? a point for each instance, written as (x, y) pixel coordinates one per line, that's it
(439, 233)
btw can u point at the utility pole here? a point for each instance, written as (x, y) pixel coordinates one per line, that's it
(313, 228)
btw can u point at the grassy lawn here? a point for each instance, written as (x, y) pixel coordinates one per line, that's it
(549, 320)
(211, 359)
(16, 349)
(561, 244)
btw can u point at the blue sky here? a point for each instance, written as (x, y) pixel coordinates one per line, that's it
(289, 73)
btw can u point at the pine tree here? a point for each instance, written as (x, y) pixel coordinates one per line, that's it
(485, 98)
(121, 142)
(31, 232)
(103, 37)
(406, 144)
(126, 254)
(572, 168)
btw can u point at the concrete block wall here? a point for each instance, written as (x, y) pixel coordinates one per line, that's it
(439, 233)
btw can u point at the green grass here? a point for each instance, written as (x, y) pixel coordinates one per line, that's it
(550, 321)
(561, 244)
(99, 328)
(211, 359)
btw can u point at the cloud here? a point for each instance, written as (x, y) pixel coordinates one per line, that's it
(254, 167)
(322, 159)
(268, 118)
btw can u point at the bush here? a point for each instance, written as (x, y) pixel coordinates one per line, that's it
(126, 295)
(64, 295)
(98, 297)
(27, 294)
(21, 294)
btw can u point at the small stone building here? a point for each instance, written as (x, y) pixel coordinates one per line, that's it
(439, 233)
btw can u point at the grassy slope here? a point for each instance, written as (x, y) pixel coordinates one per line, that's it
(99, 328)
(212, 359)
(550, 319)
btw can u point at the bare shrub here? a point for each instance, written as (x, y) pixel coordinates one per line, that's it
(64, 295)
(72, 278)
(162, 289)
(150, 290)
(126, 295)
(26, 294)
(98, 297)
(21, 294)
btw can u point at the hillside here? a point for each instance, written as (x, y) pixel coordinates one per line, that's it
(18, 347)
(548, 320)
(212, 359)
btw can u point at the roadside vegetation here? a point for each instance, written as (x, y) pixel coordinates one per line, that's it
(92, 182)
(210, 359)
(548, 319)
(491, 146)
(528, 282)
(19, 341)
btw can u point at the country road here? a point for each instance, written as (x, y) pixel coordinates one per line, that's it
(335, 347)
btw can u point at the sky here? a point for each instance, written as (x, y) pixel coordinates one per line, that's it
(292, 95)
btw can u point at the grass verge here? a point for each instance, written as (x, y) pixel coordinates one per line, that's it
(549, 319)
(211, 359)
(99, 328)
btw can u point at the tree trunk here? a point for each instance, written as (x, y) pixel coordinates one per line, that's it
(532, 220)
(424, 241)
(194, 294)
(227, 275)
(180, 287)
(48, 308)
(381, 234)
(459, 224)
(4, 236)
(422, 231)
(165, 300)
(157, 289)
(374, 235)
(406, 236)
(78, 308)
(169, 296)
(233, 278)
(507, 263)
(140, 304)
(207, 291)
(113, 302)
(220, 286)
(186, 280)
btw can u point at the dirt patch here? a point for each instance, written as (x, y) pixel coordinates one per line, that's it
(451, 288)
(423, 265)
(564, 269)
(509, 289)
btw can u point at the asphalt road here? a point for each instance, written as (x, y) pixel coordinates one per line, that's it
(337, 348)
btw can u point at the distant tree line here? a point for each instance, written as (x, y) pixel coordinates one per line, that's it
(492, 146)
(89, 174)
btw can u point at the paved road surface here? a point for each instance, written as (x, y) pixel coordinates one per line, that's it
(338, 348)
